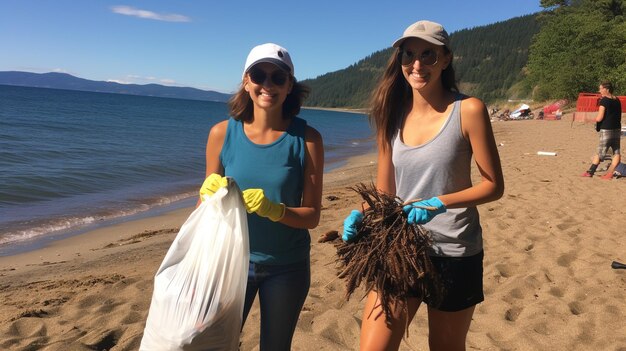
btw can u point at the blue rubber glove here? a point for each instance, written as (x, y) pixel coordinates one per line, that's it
(418, 215)
(350, 225)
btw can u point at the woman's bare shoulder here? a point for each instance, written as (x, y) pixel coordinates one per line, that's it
(312, 135)
(472, 105)
(219, 129)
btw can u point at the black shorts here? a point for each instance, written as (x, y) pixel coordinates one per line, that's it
(462, 280)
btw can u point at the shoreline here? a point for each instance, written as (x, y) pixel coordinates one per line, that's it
(362, 111)
(10, 248)
(93, 240)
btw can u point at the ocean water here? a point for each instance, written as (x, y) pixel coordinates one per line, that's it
(71, 161)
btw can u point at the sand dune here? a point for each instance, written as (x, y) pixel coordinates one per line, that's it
(549, 244)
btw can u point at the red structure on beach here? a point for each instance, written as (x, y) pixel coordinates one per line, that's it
(587, 102)
(550, 111)
(587, 105)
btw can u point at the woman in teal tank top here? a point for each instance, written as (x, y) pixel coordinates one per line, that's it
(427, 136)
(278, 161)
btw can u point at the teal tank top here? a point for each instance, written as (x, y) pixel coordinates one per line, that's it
(278, 169)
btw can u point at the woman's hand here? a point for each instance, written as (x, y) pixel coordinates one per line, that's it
(421, 212)
(351, 225)
(256, 202)
(212, 184)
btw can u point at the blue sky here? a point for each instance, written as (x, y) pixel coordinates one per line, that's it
(204, 44)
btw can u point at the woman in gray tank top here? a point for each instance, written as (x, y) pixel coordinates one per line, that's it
(427, 135)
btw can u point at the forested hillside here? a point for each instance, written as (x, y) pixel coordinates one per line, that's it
(488, 61)
(348, 87)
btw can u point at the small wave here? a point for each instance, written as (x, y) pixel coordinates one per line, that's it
(39, 230)
(175, 198)
(34, 230)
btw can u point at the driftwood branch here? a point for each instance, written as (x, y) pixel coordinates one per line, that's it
(388, 255)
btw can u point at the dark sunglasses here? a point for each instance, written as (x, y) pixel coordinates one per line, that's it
(258, 76)
(428, 57)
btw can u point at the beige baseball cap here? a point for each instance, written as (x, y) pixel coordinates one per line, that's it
(272, 53)
(430, 31)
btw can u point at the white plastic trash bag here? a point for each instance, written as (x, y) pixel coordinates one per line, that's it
(199, 289)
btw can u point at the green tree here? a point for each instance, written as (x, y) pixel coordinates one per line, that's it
(580, 43)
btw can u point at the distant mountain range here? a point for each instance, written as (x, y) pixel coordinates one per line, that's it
(66, 81)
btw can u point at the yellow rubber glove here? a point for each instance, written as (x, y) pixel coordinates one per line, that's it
(257, 202)
(212, 184)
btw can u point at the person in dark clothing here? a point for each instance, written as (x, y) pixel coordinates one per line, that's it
(609, 125)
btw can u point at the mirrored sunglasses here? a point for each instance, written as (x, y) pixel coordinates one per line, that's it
(428, 57)
(258, 76)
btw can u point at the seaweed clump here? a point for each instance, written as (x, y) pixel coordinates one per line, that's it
(388, 255)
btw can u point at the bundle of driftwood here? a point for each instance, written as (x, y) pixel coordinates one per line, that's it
(388, 255)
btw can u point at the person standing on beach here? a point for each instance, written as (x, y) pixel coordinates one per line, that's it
(427, 133)
(609, 124)
(279, 160)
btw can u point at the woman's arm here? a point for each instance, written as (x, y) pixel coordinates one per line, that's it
(214, 144)
(477, 129)
(600, 115)
(385, 173)
(308, 215)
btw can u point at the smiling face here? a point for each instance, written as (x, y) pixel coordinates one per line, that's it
(267, 85)
(422, 62)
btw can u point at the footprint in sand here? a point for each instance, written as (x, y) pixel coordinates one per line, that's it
(567, 223)
(28, 330)
(504, 270)
(108, 306)
(89, 301)
(556, 291)
(101, 339)
(133, 317)
(576, 308)
(512, 313)
(337, 326)
(565, 260)
(517, 293)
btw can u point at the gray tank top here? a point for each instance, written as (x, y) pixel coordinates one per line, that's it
(441, 166)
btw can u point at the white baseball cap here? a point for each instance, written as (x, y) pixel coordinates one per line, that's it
(271, 53)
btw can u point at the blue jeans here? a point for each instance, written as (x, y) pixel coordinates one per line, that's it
(282, 290)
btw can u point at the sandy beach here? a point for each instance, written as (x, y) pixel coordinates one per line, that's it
(549, 244)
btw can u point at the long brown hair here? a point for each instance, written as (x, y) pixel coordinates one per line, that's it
(391, 100)
(241, 108)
